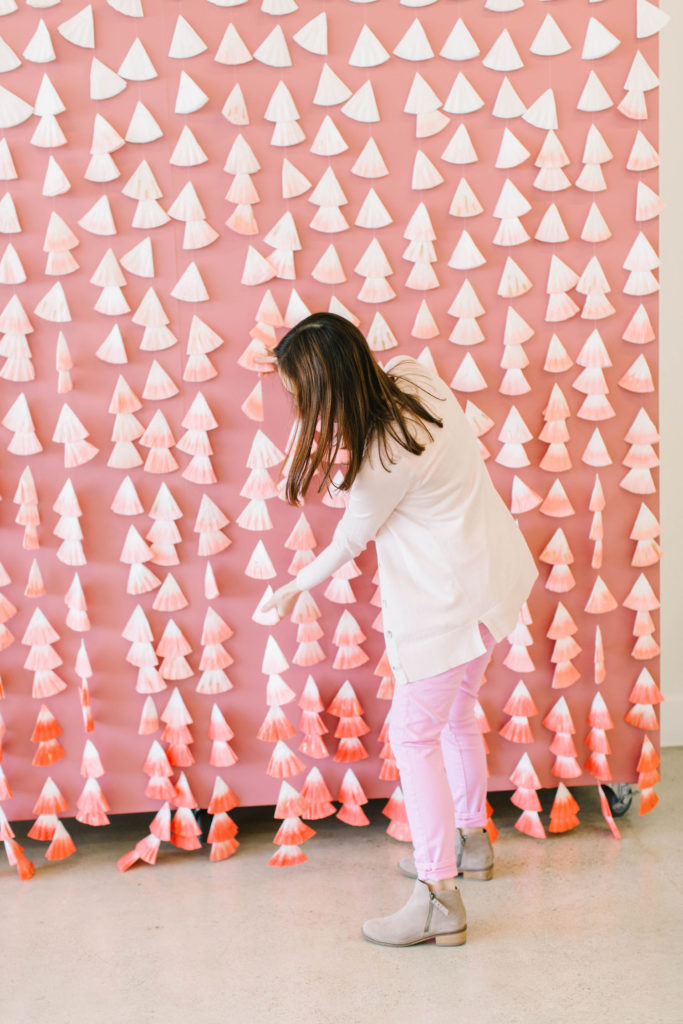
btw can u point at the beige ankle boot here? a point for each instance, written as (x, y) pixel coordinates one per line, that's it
(474, 855)
(427, 915)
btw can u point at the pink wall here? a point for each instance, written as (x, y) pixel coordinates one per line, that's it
(231, 312)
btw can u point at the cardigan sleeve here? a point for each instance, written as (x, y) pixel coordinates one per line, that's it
(374, 495)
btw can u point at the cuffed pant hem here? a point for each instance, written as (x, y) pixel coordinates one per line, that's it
(437, 872)
(474, 821)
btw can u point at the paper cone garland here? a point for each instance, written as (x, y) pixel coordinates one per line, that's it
(166, 420)
(527, 782)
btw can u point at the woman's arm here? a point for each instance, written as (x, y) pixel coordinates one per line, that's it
(374, 495)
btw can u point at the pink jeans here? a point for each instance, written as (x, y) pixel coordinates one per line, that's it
(440, 754)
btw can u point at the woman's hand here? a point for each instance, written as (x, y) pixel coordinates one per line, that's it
(283, 600)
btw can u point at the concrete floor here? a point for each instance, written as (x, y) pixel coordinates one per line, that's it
(577, 928)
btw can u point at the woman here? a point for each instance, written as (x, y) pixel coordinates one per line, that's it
(454, 572)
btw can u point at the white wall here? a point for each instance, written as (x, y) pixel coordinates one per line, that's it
(671, 372)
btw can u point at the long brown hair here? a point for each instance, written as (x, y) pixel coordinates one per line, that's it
(339, 389)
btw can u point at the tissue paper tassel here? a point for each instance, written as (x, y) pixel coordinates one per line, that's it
(641, 282)
(511, 152)
(466, 255)
(8, 58)
(648, 775)
(601, 600)
(634, 106)
(524, 776)
(80, 30)
(642, 716)
(425, 104)
(186, 42)
(18, 420)
(395, 810)
(503, 5)
(190, 287)
(563, 816)
(593, 280)
(92, 805)
(646, 526)
(597, 742)
(520, 702)
(190, 97)
(350, 791)
(62, 845)
(48, 134)
(425, 326)
(287, 856)
(641, 597)
(275, 726)
(460, 149)
(543, 112)
(460, 44)
(104, 83)
(508, 104)
(598, 41)
(465, 202)
(503, 55)
(414, 44)
(595, 228)
(642, 431)
(551, 159)
(558, 554)
(650, 19)
(645, 693)
(283, 762)
(50, 800)
(468, 378)
(273, 50)
(13, 110)
(99, 220)
(105, 140)
(362, 106)
(169, 597)
(463, 97)
(517, 730)
(287, 133)
(549, 41)
(557, 358)
(77, 616)
(316, 797)
(185, 831)
(594, 97)
(8, 171)
(352, 814)
(559, 720)
(348, 633)
(368, 51)
(328, 140)
(380, 336)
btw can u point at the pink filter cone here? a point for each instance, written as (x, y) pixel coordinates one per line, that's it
(62, 845)
(352, 814)
(530, 824)
(287, 856)
(283, 762)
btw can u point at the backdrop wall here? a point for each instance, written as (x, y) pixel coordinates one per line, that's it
(510, 237)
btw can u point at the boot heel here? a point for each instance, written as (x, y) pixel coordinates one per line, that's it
(453, 939)
(479, 876)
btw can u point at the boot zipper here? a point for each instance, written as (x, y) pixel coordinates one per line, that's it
(434, 902)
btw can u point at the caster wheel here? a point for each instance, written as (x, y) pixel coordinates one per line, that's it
(619, 796)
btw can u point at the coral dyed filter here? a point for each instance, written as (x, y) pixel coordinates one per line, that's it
(473, 183)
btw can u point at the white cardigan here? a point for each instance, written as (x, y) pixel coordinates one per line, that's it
(449, 552)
